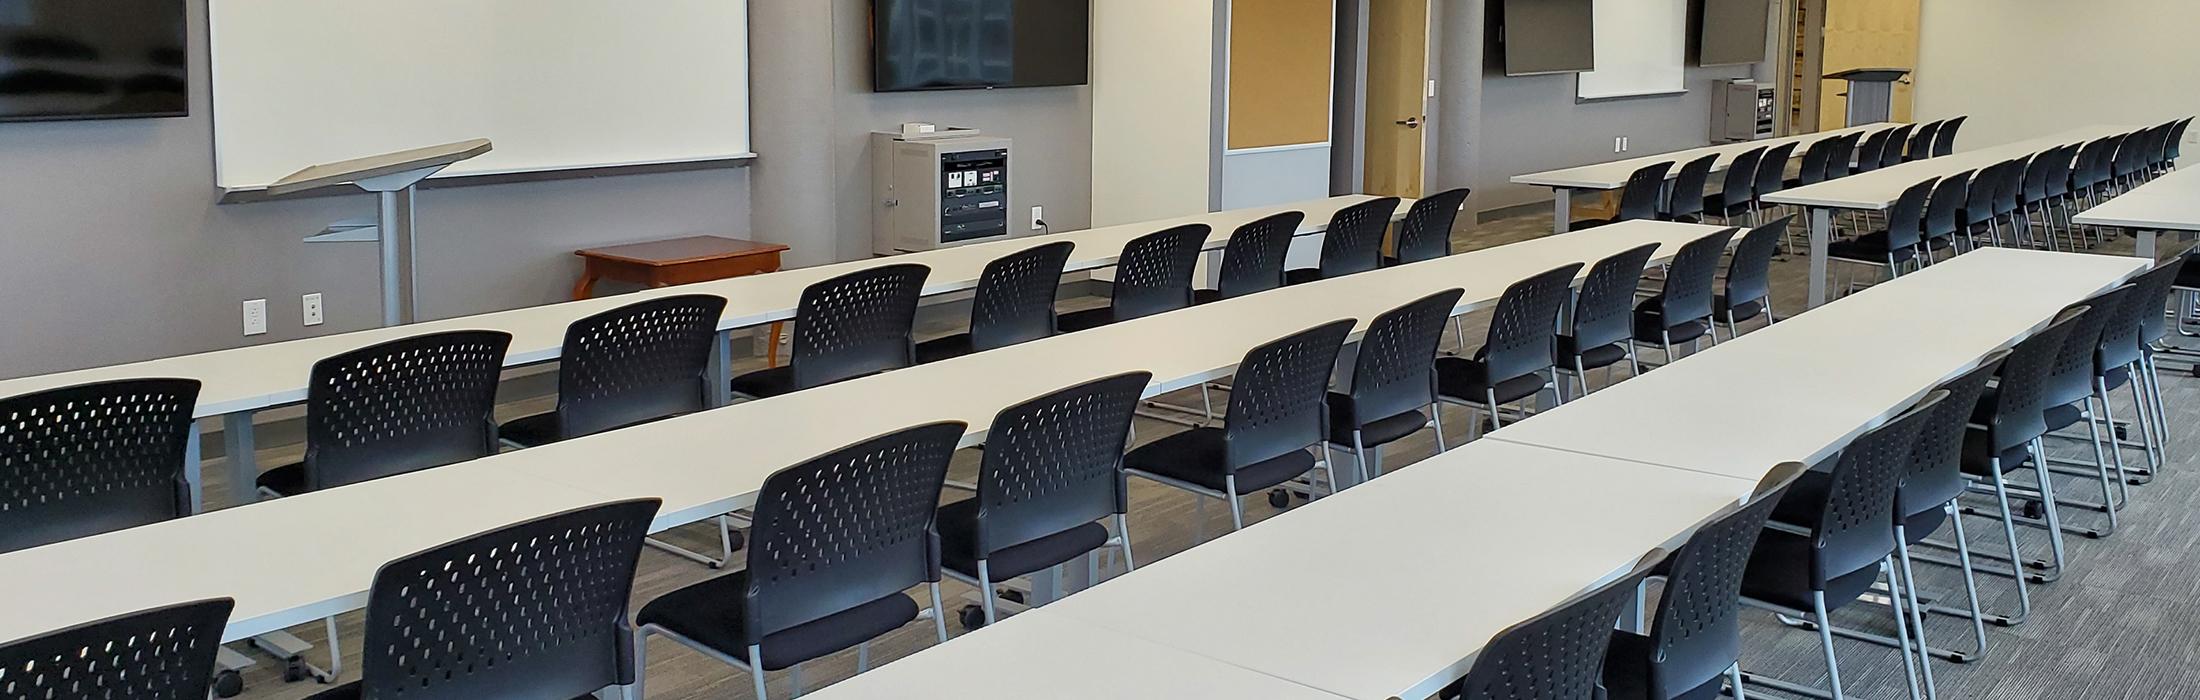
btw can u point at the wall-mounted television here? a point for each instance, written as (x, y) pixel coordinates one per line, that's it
(92, 59)
(979, 44)
(1734, 32)
(1548, 36)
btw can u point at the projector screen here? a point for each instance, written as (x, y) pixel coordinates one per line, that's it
(1641, 48)
(1548, 36)
(555, 84)
(1734, 32)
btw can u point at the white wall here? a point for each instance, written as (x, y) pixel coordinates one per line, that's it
(1152, 109)
(2025, 68)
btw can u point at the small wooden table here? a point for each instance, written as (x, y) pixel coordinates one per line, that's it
(680, 261)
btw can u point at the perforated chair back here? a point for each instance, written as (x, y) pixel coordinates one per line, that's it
(1944, 143)
(2086, 174)
(1604, 311)
(2126, 322)
(1353, 243)
(1842, 162)
(857, 324)
(1641, 198)
(1899, 141)
(1815, 161)
(2034, 186)
(165, 653)
(402, 406)
(2070, 380)
(1556, 655)
(2153, 293)
(1741, 177)
(1692, 279)
(1978, 201)
(535, 609)
(1055, 462)
(1253, 259)
(846, 528)
(1872, 153)
(1688, 185)
(1921, 141)
(2130, 155)
(1396, 368)
(1947, 199)
(1772, 169)
(1696, 631)
(2058, 171)
(1935, 475)
(1749, 272)
(1279, 398)
(1426, 232)
(1155, 273)
(636, 363)
(2020, 401)
(1015, 298)
(1906, 219)
(1524, 328)
(93, 458)
(1855, 523)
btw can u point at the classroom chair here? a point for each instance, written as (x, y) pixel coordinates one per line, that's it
(1393, 380)
(1977, 214)
(1154, 275)
(2012, 417)
(1253, 258)
(2160, 288)
(837, 540)
(2176, 144)
(2008, 202)
(1843, 161)
(94, 458)
(2072, 385)
(1748, 289)
(1556, 655)
(1686, 204)
(854, 325)
(2130, 161)
(2053, 195)
(630, 365)
(2089, 172)
(1681, 311)
(396, 407)
(1426, 232)
(1353, 243)
(1737, 197)
(160, 653)
(1771, 178)
(1602, 332)
(535, 609)
(1890, 248)
(1944, 142)
(1930, 498)
(1941, 223)
(1515, 362)
(1052, 470)
(1872, 153)
(1921, 140)
(1817, 160)
(2121, 362)
(1014, 303)
(1641, 199)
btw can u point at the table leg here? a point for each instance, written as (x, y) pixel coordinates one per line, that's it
(718, 376)
(585, 286)
(771, 354)
(2146, 244)
(1821, 234)
(237, 449)
(1562, 209)
(194, 478)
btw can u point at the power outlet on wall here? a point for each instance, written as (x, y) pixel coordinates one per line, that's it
(1618, 145)
(311, 305)
(255, 316)
(1038, 218)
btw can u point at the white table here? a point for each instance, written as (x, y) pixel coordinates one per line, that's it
(2171, 203)
(1877, 190)
(1803, 388)
(1613, 175)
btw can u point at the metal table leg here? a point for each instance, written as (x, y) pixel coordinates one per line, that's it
(718, 377)
(1562, 214)
(2146, 244)
(193, 470)
(238, 450)
(1821, 234)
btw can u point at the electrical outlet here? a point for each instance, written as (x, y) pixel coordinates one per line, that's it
(1618, 145)
(255, 316)
(1624, 146)
(311, 303)
(1038, 216)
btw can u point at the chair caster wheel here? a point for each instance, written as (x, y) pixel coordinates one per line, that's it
(2035, 510)
(1279, 499)
(228, 684)
(736, 540)
(973, 617)
(295, 670)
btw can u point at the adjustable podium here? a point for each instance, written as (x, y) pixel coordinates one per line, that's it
(1871, 93)
(392, 176)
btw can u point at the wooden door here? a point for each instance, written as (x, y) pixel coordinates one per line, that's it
(1866, 34)
(1397, 96)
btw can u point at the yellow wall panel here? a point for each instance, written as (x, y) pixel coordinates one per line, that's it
(1279, 71)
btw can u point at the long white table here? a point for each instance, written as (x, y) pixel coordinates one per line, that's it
(1613, 175)
(239, 382)
(1877, 190)
(2169, 204)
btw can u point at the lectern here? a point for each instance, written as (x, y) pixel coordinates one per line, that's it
(1871, 93)
(393, 176)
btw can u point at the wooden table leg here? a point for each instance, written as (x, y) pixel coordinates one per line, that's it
(586, 286)
(771, 355)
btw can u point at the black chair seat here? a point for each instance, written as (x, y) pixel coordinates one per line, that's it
(1919, 526)
(1302, 275)
(710, 613)
(1196, 457)
(531, 431)
(1627, 671)
(1593, 358)
(1381, 431)
(1869, 248)
(1717, 203)
(288, 480)
(1740, 312)
(958, 523)
(947, 348)
(1978, 455)
(1779, 573)
(763, 383)
(2188, 276)
(1801, 505)
(1085, 320)
(1469, 380)
(1649, 323)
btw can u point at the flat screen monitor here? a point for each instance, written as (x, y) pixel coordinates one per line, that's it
(1549, 36)
(1734, 32)
(92, 59)
(979, 44)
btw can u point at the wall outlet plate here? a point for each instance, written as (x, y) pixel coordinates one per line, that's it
(255, 316)
(310, 305)
(1038, 214)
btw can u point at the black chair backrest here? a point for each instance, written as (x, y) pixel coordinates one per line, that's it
(535, 609)
(2130, 154)
(1855, 523)
(2020, 397)
(1524, 330)
(2154, 289)
(1604, 311)
(1749, 272)
(2059, 166)
(847, 527)
(1741, 177)
(1155, 273)
(1944, 143)
(2158, 148)
(1872, 154)
(1978, 201)
(2126, 323)
(2177, 139)
(1353, 242)
(1687, 199)
(1920, 144)
(402, 406)
(1816, 160)
(1055, 462)
(92, 458)
(1645, 187)
(857, 324)
(1279, 398)
(1253, 259)
(1936, 462)
(2036, 173)
(1772, 169)
(1692, 279)
(1696, 628)
(1559, 654)
(1426, 232)
(1842, 162)
(1906, 219)
(1947, 199)
(636, 363)
(2010, 195)
(2070, 380)
(165, 653)
(2091, 157)
(1015, 298)
(2104, 171)
(1396, 367)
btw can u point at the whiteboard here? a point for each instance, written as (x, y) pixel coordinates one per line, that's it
(1641, 49)
(556, 84)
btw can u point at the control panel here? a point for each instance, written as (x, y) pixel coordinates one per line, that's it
(933, 191)
(973, 195)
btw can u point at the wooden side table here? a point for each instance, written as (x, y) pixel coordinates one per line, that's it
(680, 261)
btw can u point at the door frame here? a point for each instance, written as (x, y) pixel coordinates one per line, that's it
(1349, 121)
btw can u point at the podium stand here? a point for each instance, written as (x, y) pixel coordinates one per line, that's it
(1871, 93)
(393, 177)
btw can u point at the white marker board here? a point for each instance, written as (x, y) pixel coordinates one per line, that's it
(1641, 49)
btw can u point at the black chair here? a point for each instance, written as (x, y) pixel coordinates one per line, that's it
(2130, 161)
(1426, 232)
(1737, 194)
(633, 364)
(1836, 537)
(1944, 143)
(1842, 162)
(165, 653)
(1929, 498)
(1748, 292)
(536, 609)
(1687, 201)
(1892, 247)
(1603, 318)
(1641, 199)
(1277, 413)
(1872, 154)
(1053, 468)
(444, 386)
(2009, 201)
(1353, 242)
(2074, 384)
(2013, 416)
(1559, 654)
(854, 325)
(1517, 360)
(1771, 178)
(1977, 214)
(1252, 260)
(2054, 203)
(1816, 160)
(1941, 211)
(94, 458)
(2157, 151)
(837, 540)
(1681, 312)
(1014, 304)
(1695, 640)
(1153, 276)
(1898, 142)
(2031, 196)
(2176, 141)
(1921, 142)
(2156, 288)
(1393, 380)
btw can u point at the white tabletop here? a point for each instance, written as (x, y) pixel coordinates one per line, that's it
(1391, 588)
(2169, 203)
(274, 374)
(1039, 654)
(1801, 389)
(1877, 190)
(1613, 175)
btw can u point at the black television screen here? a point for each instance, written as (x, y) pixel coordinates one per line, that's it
(1734, 32)
(976, 44)
(92, 59)
(1549, 36)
